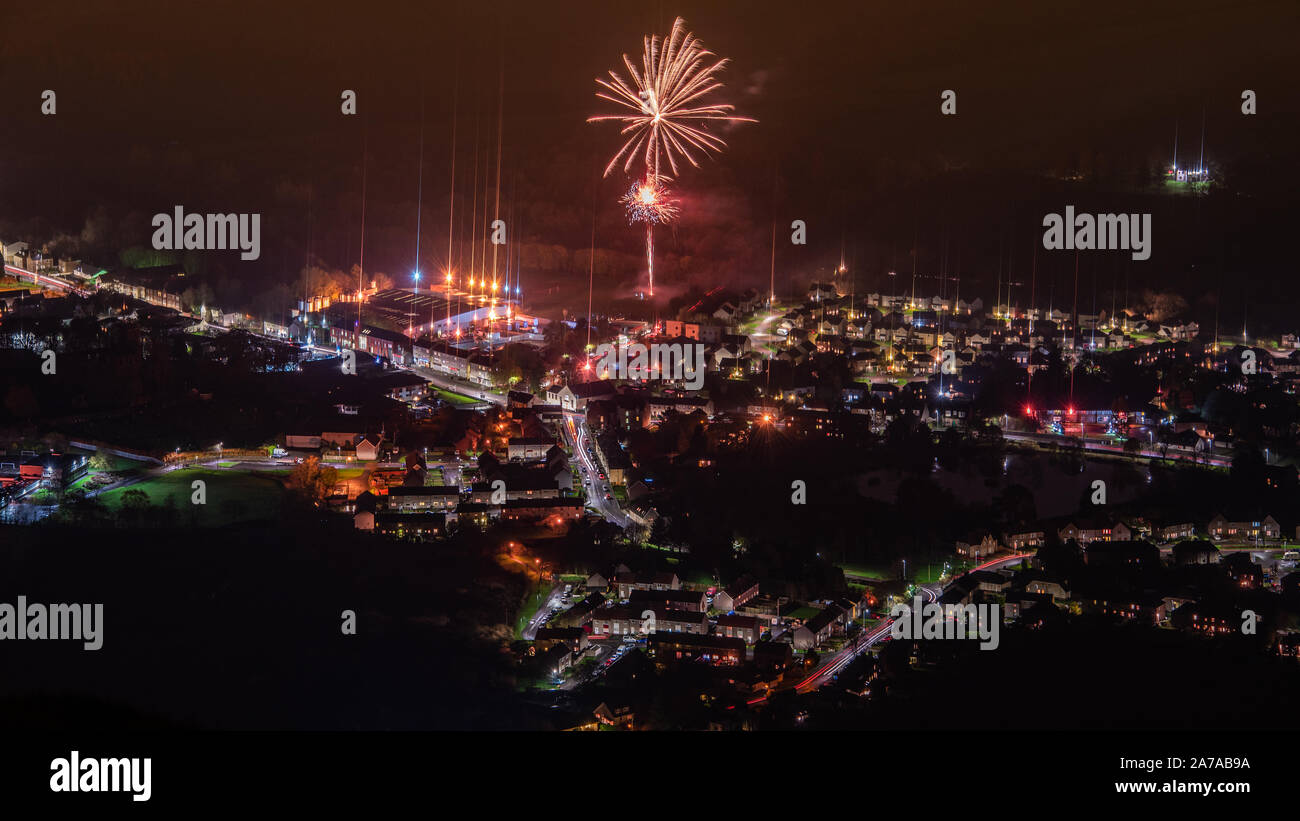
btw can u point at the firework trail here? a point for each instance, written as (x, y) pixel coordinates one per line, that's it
(666, 116)
(649, 202)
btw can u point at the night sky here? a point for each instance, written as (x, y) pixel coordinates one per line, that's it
(236, 108)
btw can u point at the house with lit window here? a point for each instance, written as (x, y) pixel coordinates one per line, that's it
(1220, 528)
(416, 499)
(978, 545)
(669, 599)
(1093, 530)
(736, 594)
(670, 649)
(817, 629)
(740, 627)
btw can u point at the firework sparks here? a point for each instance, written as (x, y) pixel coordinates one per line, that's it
(666, 99)
(649, 202)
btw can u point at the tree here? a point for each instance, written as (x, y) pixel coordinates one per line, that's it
(134, 507)
(312, 480)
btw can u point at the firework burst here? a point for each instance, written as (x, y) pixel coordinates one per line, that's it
(665, 98)
(666, 116)
(649, 202)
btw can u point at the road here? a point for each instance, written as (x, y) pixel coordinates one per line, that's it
(762, 337)
(552, 604)
(1100, 446)
(880, 632)
(578, 436)
(43, 280)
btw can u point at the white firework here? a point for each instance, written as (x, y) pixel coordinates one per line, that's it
(666, 98)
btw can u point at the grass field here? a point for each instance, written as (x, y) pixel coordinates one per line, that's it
(862, 571)
(230, 496)
(804, 613)
(453, 398)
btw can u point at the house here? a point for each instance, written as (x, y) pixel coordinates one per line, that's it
(580, 613)
(1022, 539)
(978, 545)
(529, 448)
(669, 649)
(1037, 582)
(1243, 570)
(617, 621)
(817, 629)
(1142, 607)
(1102, 553)
(1174, 532)
(627, 582)
(404, 387)
(1221, 528)
(740, 627)
(987, 580)
(343, 440)
(575, 638)
(658, 407)
(577, 396)
(1195, 551)
(772, 656)
(411, 526)
(765, 608)
(364, 508)
(367, 450)
(678, 621)
(668, 599)
(414, 499)
(597, 582)
(1089, 531)
(1207, 618)
(557, 658)
(557, 512)
(736, 594)
(621, 717)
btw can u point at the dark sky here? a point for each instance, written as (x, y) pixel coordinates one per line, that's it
(235, 107)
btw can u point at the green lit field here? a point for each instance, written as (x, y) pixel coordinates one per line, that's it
(864, 572)
(453, 398)
(231, 496)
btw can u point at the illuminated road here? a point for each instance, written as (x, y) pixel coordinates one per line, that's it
(762, 337)
(879, 633)
(552, 605)
(43, 280)
(1176, 455)
(575, 432)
